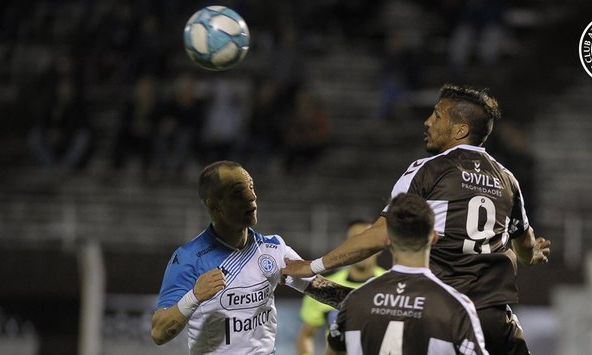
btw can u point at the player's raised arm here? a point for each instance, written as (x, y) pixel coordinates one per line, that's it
(352, 250)
(531, 250)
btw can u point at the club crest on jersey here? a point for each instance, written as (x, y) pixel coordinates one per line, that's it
(267, 264)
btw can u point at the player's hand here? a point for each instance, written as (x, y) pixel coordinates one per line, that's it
(541, 251)
(297, 268)
(209, 284)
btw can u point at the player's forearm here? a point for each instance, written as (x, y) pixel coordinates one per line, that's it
(327, 291)
(524, 247)
(359, 247)
(166, 324)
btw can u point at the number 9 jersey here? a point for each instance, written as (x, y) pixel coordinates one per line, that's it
(478, 208)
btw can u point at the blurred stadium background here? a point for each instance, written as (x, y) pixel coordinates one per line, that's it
(106, 124)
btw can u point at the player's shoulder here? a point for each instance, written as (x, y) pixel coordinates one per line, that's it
(469, 152)
(448, 292)
(200, 246)
(271, 243)
(435, 162)
(417, 165)
(272, 239)
(203, 240)
(501, 167)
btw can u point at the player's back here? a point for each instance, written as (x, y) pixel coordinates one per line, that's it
(477, 205)
(409, 311)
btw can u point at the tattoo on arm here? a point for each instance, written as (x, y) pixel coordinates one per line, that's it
(327, 291)
(347, 258)
(355, 254)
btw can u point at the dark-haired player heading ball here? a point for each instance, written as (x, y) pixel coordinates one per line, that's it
(479, 210)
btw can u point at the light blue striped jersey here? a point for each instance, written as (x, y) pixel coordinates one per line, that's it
(240, 319)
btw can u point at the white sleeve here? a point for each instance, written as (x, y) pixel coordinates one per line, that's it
(402, 185)
(299, 284)
(291, 254)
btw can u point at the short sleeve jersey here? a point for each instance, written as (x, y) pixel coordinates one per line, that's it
(478, 208)
(407, 311)
(317, 314)
(242, 318)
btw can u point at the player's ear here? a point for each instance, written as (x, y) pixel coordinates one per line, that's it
(434, 238)
(461, 131)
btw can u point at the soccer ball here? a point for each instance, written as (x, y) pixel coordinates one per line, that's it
(216, 38)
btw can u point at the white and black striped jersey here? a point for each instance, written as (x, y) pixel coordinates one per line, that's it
(407, 311)
(478, 208)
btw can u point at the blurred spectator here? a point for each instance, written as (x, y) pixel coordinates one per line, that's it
(307, 133)
(147, 53)
(179, 126)
(264, 126)
(112, 40)
(402, 53)
(226, 119)
(275, 97)
(136, 126)
(480, 23)
(62, 136)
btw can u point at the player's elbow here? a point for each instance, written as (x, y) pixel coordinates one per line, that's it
(158, 336)
(158, 332)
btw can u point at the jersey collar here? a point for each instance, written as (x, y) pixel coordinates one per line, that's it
(410, 270)
(250, 238)
(466, 147)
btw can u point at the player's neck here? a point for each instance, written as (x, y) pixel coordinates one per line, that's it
(236, 238)
(456, 143)
(416, 259)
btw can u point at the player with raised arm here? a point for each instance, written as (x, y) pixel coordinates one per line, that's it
(479, 211)
(221, 283)
(408, 310)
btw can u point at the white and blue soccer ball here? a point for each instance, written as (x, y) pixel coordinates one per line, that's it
(216, 38)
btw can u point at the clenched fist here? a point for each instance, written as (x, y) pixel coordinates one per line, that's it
(209, 284)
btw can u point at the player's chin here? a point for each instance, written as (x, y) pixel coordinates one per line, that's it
(251, 219)
(430, 148)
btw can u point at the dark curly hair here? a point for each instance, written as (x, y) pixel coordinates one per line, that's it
(474, 107)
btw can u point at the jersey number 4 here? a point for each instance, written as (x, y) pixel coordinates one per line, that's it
(478, 232)
(392, 342)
